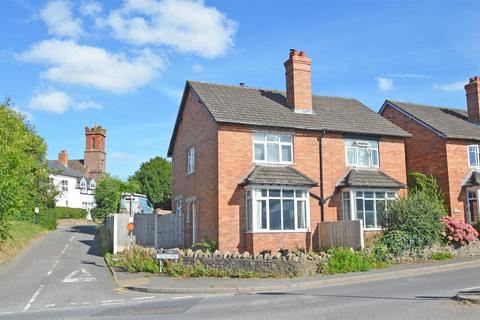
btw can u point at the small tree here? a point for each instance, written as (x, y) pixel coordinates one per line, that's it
(108, 193)
(419, 215)
(155, 180)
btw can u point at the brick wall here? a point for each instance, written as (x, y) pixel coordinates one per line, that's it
(458, 169)
(197, 128)
(425, 150)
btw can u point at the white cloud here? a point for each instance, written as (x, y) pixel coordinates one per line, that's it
(58, 17)
(91, 8)
(385, 84)
(58, 102)
(189, 26)
(447, 87)
(54, 101)
(71, 63)
(198, 68)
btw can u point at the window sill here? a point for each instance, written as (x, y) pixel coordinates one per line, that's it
(372, 229)
(273, 163)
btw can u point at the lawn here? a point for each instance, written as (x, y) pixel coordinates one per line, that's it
(21, 234)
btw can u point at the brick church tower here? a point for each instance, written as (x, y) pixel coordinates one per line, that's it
(95, 155)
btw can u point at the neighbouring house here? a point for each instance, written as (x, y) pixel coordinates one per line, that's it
(257, 169)
(75, 178)
(445, 143)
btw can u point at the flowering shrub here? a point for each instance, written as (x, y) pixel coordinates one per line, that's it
(458, 232)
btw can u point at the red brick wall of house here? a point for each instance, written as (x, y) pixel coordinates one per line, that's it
(197, 128)
(425, 150)
(458, 169)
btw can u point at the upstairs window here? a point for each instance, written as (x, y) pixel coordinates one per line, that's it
(65, 185)
(272, 148)
(473, 155)
(93, 185)
(361, 153)
(83, 185)
(191, 160)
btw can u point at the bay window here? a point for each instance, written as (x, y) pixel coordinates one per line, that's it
(277, 209)
(272, 148)
(366, 205)
(361, 153)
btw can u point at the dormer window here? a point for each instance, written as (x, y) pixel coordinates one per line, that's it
(361, 153)
(93, 185)
(272, 148)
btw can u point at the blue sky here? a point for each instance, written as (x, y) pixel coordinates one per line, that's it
(123, 64)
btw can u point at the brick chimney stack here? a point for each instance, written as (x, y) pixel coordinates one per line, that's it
(63, 157)
(299, 82)
(473, 99)
(94, 158)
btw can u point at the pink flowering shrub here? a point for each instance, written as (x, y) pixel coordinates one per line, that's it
(458, 232)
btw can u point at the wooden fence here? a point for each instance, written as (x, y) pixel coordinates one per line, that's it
(348, 234)
(159, 231)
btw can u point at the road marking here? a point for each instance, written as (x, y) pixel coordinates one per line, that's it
(7, 312)
(87, 277)
(183, 297)
(71, 239)
(32, 299)
(53, 267)
(50, 305)
(109, 302)
(64, 249)
(143, 298)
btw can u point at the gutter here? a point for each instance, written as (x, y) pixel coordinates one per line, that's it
(322, 202)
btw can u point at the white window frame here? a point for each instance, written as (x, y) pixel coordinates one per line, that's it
(83, 185)
(476, 150)
(64, 184)
(265, 149)
(178, 207)
(93, 185)
(254, 197)
(476, 191)
(191, 160)
(353, 204)
(358, 144)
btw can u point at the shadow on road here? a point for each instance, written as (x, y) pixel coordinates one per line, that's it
(86, 229)
(416, 298)
(93, 248)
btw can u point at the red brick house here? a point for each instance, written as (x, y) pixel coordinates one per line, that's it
(445, 143)
(257, 169)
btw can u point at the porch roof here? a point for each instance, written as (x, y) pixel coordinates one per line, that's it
(473, 179)
(368, 178)
(276, 175)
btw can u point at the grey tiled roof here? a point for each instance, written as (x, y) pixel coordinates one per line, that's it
(366, 178)
(285, 176)
(452, 123)
(54, 166)
(266, 107)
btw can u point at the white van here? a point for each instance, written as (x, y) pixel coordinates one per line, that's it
(135, 203)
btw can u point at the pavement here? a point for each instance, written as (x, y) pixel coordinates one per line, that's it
(146, 282)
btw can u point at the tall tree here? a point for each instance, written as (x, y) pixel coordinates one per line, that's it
(155, 180)
(24, 182)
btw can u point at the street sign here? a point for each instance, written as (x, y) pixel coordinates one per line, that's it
(165, 254)
(130, 226)
(37, 210)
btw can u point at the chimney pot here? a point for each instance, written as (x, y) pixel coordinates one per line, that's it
(63, 157)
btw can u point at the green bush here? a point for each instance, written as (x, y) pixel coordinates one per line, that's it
(442, 255)
(47, 219)
(138, 259)
(206, 245)
(175, 269)
(477, 226)
(343, 260)
(69, 213)
(396, 241)
(381, 252)
(418, 215)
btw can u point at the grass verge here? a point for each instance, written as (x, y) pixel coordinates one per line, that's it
(21, 234)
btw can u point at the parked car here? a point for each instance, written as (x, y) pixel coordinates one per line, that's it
(135, 203)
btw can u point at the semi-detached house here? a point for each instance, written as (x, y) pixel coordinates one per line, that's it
(445, 142)
(257, 169)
